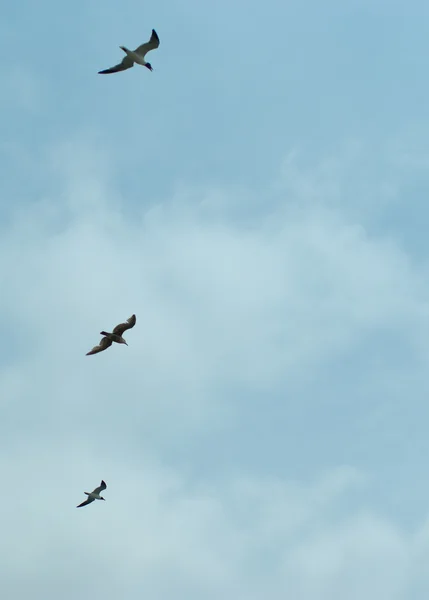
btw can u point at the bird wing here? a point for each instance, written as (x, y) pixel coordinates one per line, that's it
(87, 501)
(105, 342)
(100, 488)
(119, 329)
(125, 64)
(152, 44)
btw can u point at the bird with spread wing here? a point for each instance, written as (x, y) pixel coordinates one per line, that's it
(115, 336)
(135, 56)
(94, 495)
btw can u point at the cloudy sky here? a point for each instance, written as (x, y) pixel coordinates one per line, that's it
(260, 202)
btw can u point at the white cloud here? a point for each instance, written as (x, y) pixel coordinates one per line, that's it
(216, 302)
(222, 309)
(170, 535)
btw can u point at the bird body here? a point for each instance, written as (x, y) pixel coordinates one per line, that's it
(94, 495)
(135, 56)
(114, 336)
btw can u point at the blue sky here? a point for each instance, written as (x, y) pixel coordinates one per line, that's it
(259, 201)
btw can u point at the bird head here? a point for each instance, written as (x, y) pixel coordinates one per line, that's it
(149, 66)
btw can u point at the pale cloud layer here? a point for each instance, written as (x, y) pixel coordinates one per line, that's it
(233, 319)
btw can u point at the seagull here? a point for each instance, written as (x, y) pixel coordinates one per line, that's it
(94, 495)
(115, 336)
(135, 56)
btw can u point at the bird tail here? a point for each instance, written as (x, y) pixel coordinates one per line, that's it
(104, 333)
(87, 493)
(124, 48)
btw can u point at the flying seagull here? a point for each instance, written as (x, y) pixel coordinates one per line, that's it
(115, 336)
(94, 495)
(135, 56)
